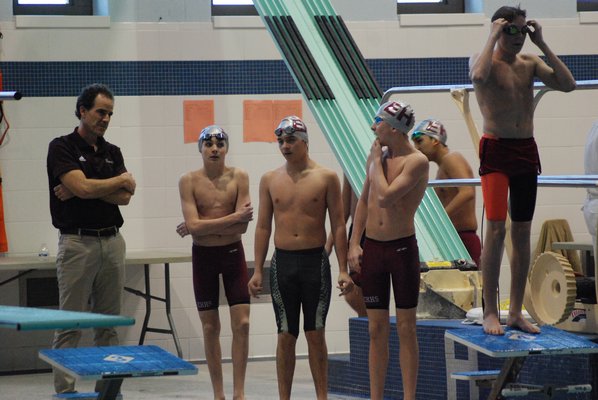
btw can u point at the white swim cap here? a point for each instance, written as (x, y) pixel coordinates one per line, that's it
(398, 115)
(292, 125)
(432, 128)
(211, 131)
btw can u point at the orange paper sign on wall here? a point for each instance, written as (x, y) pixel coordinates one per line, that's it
(197, 114)
(261, 117)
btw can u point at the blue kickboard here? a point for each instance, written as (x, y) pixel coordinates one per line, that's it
(29, 318)
(515, 343)
(117, 362)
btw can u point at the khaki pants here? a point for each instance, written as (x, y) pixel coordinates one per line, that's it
(90, 273)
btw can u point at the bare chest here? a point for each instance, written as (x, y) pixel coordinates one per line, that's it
(393, 167)
(214, 197)
(508, 80)
(305, 194)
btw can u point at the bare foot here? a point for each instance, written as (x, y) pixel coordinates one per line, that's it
(519, 322)
(492, 325)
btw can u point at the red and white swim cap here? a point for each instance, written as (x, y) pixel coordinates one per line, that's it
(432, 128)
(292, 125)
(398, 115)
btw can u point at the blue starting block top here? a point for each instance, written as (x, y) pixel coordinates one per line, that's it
(28, 318)
(117, 362)
(515, 343)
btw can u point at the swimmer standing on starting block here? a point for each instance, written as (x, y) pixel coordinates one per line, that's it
(503, 80)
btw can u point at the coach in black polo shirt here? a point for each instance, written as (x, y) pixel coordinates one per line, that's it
(88, 181)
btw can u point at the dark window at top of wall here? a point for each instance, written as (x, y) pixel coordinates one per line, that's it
(446, 6)
(587, 5)
(75, 7)
(236, 9)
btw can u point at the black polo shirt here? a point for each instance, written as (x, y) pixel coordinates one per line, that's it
(71, 152)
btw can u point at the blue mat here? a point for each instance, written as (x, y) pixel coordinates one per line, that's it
(27, 318)
(117, 362)
(515, 343)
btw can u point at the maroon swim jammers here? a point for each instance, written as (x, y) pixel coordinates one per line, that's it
(211, 261)
(472, 243)
(396, 260)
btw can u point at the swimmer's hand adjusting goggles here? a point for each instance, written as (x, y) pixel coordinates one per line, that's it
(513, 30)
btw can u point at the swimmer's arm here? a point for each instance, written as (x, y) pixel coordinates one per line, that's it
(361, 213)
(464, 194)
(359, 223)
(415, 169)
(456, 167)
(243, 201)
(337, 221)
(202, 227)
(558, 77)
(263, 230)
(480, 65)
(555, 74)
(347, 193)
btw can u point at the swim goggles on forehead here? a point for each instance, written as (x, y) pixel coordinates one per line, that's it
(289, 128)
(513, 30)
(207, 135)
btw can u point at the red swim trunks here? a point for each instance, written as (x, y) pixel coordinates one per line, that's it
(509, 167)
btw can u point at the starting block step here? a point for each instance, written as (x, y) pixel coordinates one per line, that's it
(476, 375)
(81, 396)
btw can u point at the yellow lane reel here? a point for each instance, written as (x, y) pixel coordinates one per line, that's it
(551, 291)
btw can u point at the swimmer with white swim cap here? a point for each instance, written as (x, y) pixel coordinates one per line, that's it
(398, 115)
(296, 197)
(395, 183)
(432, 128)
(292, 125)
(217, 209)
(211, 131)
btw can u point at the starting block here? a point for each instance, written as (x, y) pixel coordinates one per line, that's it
(112, 364)
(515, 346)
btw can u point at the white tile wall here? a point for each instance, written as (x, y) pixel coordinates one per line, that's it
(149, 131)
